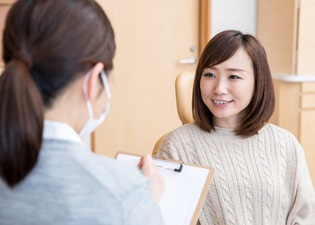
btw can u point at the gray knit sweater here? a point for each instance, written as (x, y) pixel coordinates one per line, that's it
(71, 185)
(263, 179)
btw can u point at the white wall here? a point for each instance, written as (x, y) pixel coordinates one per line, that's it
(233, 14)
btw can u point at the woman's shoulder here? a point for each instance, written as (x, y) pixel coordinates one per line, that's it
(123, 178)
(82, 165)
(183, 133)
(117, 184)
(184, 138)
(70, 171)
(118, 171)
(282, 136)
(186, 129)
(277, 130)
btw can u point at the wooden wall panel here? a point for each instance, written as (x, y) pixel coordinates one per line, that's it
(306, 37)
(276, 29)
(204, 23)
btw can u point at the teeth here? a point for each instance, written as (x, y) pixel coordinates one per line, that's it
(220, 102)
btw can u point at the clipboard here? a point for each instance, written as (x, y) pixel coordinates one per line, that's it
(186, 188)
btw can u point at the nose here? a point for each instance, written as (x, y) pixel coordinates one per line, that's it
(221, 87)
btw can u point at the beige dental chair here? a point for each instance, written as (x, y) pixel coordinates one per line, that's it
(183, 90)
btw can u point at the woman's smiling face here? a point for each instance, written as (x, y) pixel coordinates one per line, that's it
(227, 88)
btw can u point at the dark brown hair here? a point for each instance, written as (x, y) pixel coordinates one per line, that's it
(46, 45)
(220, 48)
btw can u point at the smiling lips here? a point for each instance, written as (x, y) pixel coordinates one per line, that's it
(221, 102)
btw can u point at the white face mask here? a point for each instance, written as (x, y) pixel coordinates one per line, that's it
(93, 123)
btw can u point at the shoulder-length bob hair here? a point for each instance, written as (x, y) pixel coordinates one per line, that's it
(220, 48)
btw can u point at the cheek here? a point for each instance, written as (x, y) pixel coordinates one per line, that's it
(203, 90)
(206, 93)
(248, 92)
(204, 87)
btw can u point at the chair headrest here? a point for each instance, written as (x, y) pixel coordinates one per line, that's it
(184, 87)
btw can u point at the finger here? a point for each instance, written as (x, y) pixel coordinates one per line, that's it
(145, 161)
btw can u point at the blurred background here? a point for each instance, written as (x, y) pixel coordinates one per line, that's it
(157, 40)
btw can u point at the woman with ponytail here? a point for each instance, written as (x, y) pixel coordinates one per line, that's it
(54, 89)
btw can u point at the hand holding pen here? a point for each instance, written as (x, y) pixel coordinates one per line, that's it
(151, 172)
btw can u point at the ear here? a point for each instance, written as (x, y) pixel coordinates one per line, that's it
(93, 80)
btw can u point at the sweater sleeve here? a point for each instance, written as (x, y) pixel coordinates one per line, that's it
(303, 209)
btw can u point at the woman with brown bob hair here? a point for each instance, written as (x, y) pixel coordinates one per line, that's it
(262, 104)
(261, 176)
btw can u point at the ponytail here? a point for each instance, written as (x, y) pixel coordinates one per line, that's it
(43, 56)
(21, 122)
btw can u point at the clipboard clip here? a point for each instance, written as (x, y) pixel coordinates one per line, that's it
(165, 164)
(173, 165)
(179, 169)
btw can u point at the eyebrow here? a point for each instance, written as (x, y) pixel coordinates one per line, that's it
(229, 69)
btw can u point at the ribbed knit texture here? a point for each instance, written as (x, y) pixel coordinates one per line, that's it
(259, 180)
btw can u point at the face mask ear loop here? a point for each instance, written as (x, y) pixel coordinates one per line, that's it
(88, 103)
(92, 123)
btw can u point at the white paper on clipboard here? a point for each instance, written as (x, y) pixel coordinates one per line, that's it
(186, 187)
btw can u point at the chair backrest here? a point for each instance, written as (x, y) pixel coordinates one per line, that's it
(183, 90)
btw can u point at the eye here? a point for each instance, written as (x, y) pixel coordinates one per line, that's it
(234, 77)
(208, 75)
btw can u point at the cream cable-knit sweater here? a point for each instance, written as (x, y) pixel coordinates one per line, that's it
(263, 179)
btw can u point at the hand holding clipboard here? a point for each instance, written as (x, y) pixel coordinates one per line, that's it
(186, 187)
